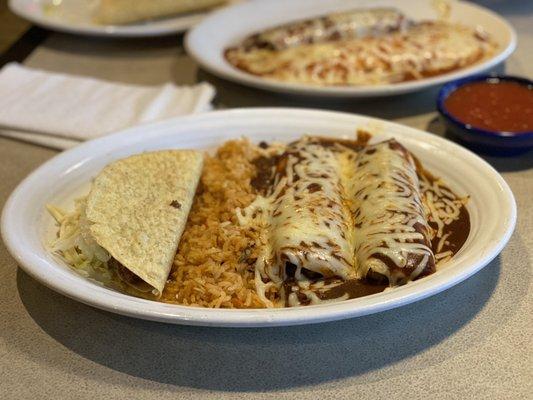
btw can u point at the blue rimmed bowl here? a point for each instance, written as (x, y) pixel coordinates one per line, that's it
(491, 142)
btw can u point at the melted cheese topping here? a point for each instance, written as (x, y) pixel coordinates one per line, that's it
(392, 235)
(311, 221)
(342, 214)
(344, 25)
(306, 217)
(442, 207)
(425, 49)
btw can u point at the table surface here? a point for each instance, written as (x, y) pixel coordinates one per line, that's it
(472, 341)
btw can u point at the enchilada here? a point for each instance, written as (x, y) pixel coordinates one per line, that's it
(361, 47)
(392, 238)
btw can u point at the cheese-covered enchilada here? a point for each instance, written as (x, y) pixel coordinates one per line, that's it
(362, 47)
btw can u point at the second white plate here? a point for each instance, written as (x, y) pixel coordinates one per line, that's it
(74, 16)
(208, 40)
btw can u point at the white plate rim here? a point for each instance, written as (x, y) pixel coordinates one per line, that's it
(223, 69)
(168, 26)
(42, 270)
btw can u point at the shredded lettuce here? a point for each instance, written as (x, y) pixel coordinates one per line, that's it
(75, 245)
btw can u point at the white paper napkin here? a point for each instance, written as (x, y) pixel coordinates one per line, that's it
(60, 111)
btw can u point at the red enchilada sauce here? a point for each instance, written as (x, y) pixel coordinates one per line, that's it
(493, 105)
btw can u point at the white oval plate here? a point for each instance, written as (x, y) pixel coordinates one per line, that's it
(208, 40)
(26, 226)
(74, 16)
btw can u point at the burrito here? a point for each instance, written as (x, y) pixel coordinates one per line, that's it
(131, 222)
(117, 12)
(392, 235)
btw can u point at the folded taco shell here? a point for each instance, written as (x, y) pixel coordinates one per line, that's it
(137, 210)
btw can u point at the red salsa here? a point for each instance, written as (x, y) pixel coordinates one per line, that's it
(493, 105)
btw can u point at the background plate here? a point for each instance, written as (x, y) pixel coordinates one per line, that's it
(26, 226)
(208, 40)
(74, 16)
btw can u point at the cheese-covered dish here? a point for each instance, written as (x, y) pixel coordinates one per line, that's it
(120, 12)
(264, 225)
(360, 47)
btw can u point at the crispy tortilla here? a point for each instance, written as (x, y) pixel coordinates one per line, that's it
(117, 12)
(138, 207)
